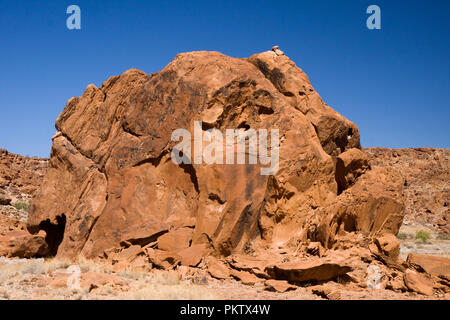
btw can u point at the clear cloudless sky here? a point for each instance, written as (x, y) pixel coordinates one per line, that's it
(393, 83)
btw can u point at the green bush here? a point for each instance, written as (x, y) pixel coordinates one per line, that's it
(21, 206)
(422, 236)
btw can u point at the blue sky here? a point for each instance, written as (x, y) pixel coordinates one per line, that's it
(393, 83)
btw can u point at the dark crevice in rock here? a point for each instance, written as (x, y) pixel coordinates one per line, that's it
(315, 129)
(155, 161)
(288, 93)
(259, 230)
(128, 130)
(215, 197)
(55, 233)
(350, 133)
(265, 110)
(244, 126)
(143, 241)
(190, 170)
(207, 126)
(339, 175)
(210, 241)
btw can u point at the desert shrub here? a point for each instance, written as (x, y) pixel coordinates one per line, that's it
(443, 236)
(402, 236)
(57, 263)
(34, 266)
(21, 206)
(182, 291)
(89, 265)
(422, 236)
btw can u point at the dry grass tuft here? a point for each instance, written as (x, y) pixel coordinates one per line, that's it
(141, 285)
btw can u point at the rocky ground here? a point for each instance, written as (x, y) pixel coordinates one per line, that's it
(48, 279)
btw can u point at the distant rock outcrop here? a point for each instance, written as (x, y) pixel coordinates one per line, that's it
(426, 187)
(20, 177)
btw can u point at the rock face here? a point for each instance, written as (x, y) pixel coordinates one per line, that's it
(111, 182)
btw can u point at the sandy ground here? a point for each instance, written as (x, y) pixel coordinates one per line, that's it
(434, 246)
(53, 280)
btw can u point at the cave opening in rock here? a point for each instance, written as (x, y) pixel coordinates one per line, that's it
(350, 133)
(55, 233)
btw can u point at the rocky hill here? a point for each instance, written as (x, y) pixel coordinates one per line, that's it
(20, 177)
(427, 184)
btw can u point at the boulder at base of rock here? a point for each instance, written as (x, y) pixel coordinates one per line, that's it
(251, 264)
(315, 249)
(163, 259)
(133, 256)
(418, 282)
(192, 256)
(389, 245)
(21, 244)
(279, 286)
(217, 269)
(245, 277)
(302, 271)
(96, 280)
(175, 240)
(436, 266)
(326, 292)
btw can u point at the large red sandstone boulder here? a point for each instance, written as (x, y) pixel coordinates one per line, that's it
(21, 244)
(389, 245)
(111, 181)
(418, 282)
(308, 270)
(436, 266)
